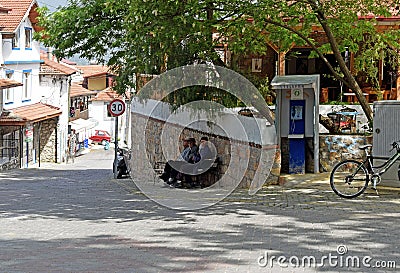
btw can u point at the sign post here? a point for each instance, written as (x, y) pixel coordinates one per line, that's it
(116, 108)
(28, 138)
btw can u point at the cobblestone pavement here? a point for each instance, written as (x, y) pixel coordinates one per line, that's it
(77, 218)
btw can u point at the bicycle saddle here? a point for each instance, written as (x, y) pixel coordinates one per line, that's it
(363, 147)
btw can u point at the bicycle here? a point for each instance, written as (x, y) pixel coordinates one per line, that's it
(350, 178)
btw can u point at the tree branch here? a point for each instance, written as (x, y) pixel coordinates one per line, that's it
(311, 44)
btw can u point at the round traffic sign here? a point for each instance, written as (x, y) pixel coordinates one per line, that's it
(116, 107)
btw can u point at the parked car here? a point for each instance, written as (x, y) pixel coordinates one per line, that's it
(101, 136)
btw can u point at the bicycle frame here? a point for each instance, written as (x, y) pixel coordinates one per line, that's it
(384, 167)
(361, 172)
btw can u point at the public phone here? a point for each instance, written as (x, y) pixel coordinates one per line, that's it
(296, 112)
(296, 117)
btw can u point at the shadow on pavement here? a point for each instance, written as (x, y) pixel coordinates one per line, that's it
(123, 230)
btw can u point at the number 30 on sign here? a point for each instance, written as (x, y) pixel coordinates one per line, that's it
(116, 107)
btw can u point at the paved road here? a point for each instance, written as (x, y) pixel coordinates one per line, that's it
(77, 218)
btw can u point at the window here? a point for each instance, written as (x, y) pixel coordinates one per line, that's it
(256, 65)
(28, 37)
(26, 80)
(108, 113)
(15, 40)
(9, 145)
(9, 94)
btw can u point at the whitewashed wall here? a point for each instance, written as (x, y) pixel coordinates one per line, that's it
(98, 111)
(231, 124)
(54, 90)
(19, 60)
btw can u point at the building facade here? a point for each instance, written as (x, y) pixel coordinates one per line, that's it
(31, 121)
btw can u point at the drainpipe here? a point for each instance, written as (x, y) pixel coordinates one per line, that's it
(56, 138)
(27, 153)
(40, 123)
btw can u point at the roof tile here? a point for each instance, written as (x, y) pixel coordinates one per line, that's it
(11, 20)
(52, 67)
(78, 90)
(7, 83)
(30, 113)
(107, 95)
(88, 70)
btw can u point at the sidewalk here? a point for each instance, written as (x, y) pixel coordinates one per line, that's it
(321, 181)
(77, 218)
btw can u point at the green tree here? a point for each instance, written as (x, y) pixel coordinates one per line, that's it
(136, 36)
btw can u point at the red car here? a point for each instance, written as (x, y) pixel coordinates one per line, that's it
(101, 136)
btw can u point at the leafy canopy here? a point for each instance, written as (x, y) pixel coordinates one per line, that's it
(150, 36)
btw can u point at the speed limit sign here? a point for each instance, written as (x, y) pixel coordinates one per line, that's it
(116, 107)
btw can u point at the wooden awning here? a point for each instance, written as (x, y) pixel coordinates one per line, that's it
(7, 83)
(30, 113)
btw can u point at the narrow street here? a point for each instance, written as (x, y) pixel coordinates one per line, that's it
(78, 218)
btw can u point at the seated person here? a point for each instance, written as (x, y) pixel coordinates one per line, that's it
(180, 170)
(170, 173)
(194, 151)
(204, 149)
(202, 160)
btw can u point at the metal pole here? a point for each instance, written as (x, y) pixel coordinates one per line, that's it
(116, 148)
(27, 154)
(21, 146)
(40, 123)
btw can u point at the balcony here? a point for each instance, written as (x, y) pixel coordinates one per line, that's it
(77, 113)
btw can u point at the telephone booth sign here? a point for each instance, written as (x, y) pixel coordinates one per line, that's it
(297, 122)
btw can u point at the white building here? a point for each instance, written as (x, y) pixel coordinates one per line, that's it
(30, 119)
(98, 110)
(20, 54)
(55, 84)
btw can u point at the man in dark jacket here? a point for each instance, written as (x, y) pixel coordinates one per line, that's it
(169, 174)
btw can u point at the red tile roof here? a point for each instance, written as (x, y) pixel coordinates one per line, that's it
(104, 73)
(78, 90)
(67, 61)
(88, 70)
(29, 113)
(52, 67)
(11, 20)
(3, 9)
(7, 83)
(107, 95)
(7, 118)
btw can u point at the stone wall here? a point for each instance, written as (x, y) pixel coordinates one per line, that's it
(48, 140)
(156, 150)
(335, 148)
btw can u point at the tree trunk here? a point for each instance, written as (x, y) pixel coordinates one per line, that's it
(359, 94)
(348, 79)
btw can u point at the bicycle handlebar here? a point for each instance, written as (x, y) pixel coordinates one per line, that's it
(396, 146)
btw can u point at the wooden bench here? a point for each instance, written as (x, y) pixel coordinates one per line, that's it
(201, 178)
(207, 178)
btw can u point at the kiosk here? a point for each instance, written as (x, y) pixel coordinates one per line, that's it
(386, 131)
(297, 122)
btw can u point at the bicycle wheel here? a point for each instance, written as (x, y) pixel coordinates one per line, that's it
(349, 179)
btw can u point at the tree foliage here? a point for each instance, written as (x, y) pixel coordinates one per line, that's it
(150, 36)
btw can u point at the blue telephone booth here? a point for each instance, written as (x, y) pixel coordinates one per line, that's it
(297, 122)
(296, 137)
